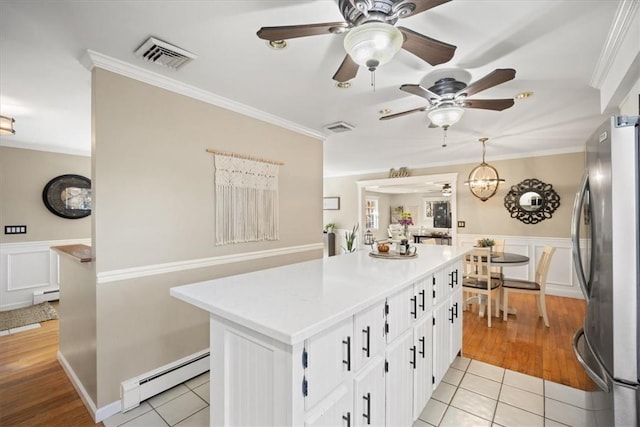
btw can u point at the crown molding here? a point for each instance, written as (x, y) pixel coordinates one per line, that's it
(91, 59)
(47, 148)
(619, 28)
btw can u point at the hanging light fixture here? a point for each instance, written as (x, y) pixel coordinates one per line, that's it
(373, 44)
(6, 125)
(445, 115)
(447, 190)
(483, 179)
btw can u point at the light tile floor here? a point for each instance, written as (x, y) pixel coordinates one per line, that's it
(472, 393)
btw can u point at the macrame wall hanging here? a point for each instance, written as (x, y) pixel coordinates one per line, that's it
(246, 197)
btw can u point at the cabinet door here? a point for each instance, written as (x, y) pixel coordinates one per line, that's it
(441, 341)
(399, 316)
(422, 378)
(328, 361)
(369, 395)
(456, 326)
(369, 337)
(440, 285)
(336, 410)
(399, 380)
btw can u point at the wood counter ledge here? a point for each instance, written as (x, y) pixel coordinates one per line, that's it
(81, 253)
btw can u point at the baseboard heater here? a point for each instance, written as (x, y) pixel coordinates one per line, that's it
(42, 296)
(139, 389)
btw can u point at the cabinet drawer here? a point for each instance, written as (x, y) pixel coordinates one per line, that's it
(328, 361)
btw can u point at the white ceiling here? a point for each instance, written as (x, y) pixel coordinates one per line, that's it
(554, 46)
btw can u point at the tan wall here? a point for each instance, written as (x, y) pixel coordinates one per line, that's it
(23, 175)
(77, 312)
(153, 191)
(491, 217)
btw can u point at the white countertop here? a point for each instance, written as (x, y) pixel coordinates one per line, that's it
(294, 302)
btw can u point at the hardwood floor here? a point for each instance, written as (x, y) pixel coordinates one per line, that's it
(524, 344)
(35, 391)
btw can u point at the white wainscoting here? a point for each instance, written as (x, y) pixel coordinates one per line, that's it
(561, 280)
(28, 267)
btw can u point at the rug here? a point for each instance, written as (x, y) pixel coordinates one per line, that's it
(26, 316)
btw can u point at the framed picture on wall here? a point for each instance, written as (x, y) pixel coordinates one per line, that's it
(428, 209)
(331, 204)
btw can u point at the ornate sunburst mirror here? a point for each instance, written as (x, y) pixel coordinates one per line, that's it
(531, 201)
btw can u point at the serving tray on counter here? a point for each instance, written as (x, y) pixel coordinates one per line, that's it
(391, 255)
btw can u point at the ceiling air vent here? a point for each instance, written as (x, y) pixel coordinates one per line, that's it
(159, 52)
(338, 127)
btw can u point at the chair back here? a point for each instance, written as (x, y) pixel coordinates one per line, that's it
(428, 241)
(498, 245)
(478, 265)
(543, 267)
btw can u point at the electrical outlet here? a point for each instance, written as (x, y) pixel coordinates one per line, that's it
(15, 229)
(461, 224)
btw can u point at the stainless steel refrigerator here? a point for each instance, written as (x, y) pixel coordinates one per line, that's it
(604, 232)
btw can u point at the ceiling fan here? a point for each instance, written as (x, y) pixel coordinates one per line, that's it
(448, 97)
(373, 38)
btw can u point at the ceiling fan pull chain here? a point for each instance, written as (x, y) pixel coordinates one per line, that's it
(444, 137)
(373, 79)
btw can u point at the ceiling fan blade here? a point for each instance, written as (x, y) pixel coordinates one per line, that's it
(420, 91)
(420, 5)
(492, 79)
(432, 126)
(393, 116)
(346, 71)
(430, 50)
(489, 104)
(294, 31)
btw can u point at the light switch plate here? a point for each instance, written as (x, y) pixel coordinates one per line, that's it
(461, 224)
(15, 229)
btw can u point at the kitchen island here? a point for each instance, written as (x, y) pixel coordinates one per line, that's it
(346, 340)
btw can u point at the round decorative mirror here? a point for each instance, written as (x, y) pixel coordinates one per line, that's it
(531, 201)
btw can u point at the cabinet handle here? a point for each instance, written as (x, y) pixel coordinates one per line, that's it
(413, 356)
(367, 415)
(348, 361)
(422, 340)
(347, 418)
(414, 301)
(451, 314)
(455, 272)
(367, 331)
(455, 306)
(422, 305)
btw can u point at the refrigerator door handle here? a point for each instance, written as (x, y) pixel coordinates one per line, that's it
(588, 361)
(575, 235)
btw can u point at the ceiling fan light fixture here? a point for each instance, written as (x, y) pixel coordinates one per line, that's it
(6, 125)
(277, 44)
(445, 116)
(447, 190)
(373, 44)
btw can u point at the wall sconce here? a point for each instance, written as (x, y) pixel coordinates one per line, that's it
(484, 179)
(6, 125)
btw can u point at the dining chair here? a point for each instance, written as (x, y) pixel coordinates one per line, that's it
(496, 272)
(477, 280)
(535, 287)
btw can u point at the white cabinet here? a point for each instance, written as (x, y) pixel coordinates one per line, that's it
(327, 360)
(441, 340)
(369, 395)
(369, 334)
(422, 378)
(398, 312)
(335, 410)
(399, 380)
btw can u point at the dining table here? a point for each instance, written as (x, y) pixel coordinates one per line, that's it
(506, 259)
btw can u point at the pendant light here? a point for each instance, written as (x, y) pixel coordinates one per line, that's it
(483, 179)
(6, 125)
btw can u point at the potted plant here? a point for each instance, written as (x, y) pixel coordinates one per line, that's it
(350, 237)
(330, 228)
(486, 243)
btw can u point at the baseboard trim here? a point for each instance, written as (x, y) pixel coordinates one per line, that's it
(172, 267)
